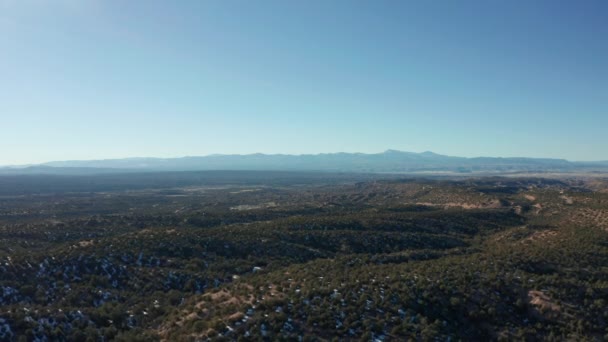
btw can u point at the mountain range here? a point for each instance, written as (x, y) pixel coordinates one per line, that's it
(390, 161)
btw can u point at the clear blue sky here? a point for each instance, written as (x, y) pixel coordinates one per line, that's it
(88, 79)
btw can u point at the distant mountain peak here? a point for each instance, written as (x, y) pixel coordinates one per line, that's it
(387, 161)
(424, 154)
(389, 151)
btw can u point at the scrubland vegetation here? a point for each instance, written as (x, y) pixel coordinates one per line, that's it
(382, 259)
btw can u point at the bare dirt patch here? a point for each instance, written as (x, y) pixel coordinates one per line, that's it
(567, 199)
(85, 243)
(493, 204)
(236, 316)
(206, 308)
(544, 305)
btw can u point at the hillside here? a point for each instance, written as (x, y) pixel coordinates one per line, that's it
(388, 259)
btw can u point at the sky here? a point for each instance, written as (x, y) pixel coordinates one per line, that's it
(96, 79)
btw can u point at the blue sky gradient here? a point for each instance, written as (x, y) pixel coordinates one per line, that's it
(98, 79)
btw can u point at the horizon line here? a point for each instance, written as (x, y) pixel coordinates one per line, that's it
(13, 165)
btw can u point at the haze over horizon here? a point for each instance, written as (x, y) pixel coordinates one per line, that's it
(86, 80)
(51, 162)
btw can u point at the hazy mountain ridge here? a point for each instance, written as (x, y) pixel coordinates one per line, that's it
(388, 161)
